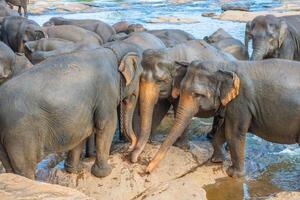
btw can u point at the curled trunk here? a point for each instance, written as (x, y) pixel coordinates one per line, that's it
(259, 50)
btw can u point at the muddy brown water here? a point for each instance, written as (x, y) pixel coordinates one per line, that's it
(270, 167)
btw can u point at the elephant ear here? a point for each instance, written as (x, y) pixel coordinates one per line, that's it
(181, 68)
(282, 32)
(247, 34)
(128, 66)
(229, 87)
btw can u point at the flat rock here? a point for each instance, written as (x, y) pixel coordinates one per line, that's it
(129, 181)
(172, 19)
(235, 6)
(14, 187)
(286, 195)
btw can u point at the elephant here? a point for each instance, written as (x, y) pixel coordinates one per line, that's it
(160, 81)
(7, 62)
(125, 27)
(37, 51)
(145, 40)
(65, 99)
(16, 30)
(225, 42)
(172, 37)
(251, 94)
(102, 29)
(274, 37)
(6, 11)
(20, 3)
(22, 64)
(73, 33)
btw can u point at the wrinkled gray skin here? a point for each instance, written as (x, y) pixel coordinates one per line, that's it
(160, 81)
(102, 29)
(274, 37)
(74, 34)
(64, 100)
(225, 42)
(21, 4)
(7, 62)
(254, 107)
(15, 31)
(22, 64)
(37, 51)
(6, 11)
(144, 41)
(172, 37)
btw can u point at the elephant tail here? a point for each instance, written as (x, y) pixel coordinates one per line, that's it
(5, 159)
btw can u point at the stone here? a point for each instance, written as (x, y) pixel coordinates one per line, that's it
(285, 196)
(14, 187)
(235, 6)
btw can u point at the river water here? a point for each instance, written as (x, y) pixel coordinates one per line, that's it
(270, 168)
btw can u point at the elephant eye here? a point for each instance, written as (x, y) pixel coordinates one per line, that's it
(198, 95)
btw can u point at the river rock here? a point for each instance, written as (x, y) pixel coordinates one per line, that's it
(129, 181)
(286, 195)
(235, 6)
(172, 19)
(14, 187)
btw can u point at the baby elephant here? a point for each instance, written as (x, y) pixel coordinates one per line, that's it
(225, 42)
(57, 104)
(254, 96)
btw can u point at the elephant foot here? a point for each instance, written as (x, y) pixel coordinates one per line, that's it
(73, 169)
(217, 158)
(102, 170)
(234, 173)
(182, 144)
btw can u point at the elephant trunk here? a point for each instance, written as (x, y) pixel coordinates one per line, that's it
(259, 50)
(127, 110)
(149, 93)
(184, 114)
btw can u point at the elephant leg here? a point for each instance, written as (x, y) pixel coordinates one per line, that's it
(236, 128)
(160, 111)
(72, 163)
(20, 10)
(212, 133)
(25, 11)
(24, 159)
(105, 130)
(5, 160)
(218, 142)
(90, 146)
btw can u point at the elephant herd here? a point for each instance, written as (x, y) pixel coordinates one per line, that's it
(66, 84)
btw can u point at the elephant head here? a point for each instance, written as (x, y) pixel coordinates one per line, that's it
(202, 90)
(267, 34)
(29, 32)
(129, 59)
(161, 73)
(217, 36)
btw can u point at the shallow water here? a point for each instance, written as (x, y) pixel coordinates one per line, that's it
(269, 167)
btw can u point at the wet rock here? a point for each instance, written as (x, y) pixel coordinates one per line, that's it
(14, 187)
(210, 14)
(286, 195)
(129, 181)
(235, 6)
(172, 19)
(243, 16)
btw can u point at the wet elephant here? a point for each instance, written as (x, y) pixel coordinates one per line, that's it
(22, 64)
(225, 42)
(74, 34)
(172, 37)
(102, 29)
(7, 62)
(37, 51)
(160, 81)
(251, 94)
(274, 37)
(64, 100)
(21, 4)
(15, 31)
(125, 27)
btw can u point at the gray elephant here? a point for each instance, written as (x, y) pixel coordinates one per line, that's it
(274, 37)
(6, 11)
(20, 3)
(15, 31)
(74, 34)
(160, 81)
(145, 40)
(64, 100)
(7, 62)
(125, 27)
(22, 64)
(251, 95)
(225, 42)
(37, 51)
(172, 37)
(102, 29)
